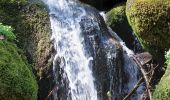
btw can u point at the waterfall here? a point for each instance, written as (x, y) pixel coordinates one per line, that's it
(83, 44)
(75, 60)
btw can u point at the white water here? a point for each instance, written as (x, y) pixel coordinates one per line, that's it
(68, 43)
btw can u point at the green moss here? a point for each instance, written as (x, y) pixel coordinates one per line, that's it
(150, 21)
(16, 79)
(162, 91)
(117, 15)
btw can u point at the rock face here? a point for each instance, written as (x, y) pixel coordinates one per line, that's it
(102, 4)
(117, 20)
(32, 28)
(150, 22)
(162, 91)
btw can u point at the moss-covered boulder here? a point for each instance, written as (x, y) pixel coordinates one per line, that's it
(117, 20)
(32, 27)
(162, 91)
(150, 20)
(16, 78)
(17, 81)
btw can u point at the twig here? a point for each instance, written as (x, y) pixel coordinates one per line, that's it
(134, 89)
(153, 71)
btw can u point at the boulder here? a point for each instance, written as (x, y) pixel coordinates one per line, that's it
(150, 20)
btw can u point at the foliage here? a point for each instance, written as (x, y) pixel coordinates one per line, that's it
(16, 79)
(162, 91)
(7, 32)
(168, 57)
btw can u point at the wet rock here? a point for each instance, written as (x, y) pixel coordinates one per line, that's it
(106, 53)
(144, 57)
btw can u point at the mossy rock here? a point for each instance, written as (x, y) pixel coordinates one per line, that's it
(150, 20)
(117, 20)
(162, 91)
(17, 81)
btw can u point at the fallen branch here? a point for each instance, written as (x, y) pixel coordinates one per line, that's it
(145, 78)
(134, 89)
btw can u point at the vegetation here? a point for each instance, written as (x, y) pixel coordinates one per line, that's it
(150, 22)
(7, 32)
(162, 91)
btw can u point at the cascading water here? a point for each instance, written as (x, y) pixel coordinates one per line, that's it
(83, 44)
(68, 43)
